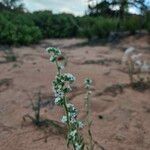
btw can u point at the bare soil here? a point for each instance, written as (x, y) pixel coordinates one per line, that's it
(121, 118)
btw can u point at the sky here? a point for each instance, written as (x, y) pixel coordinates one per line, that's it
(76, 7)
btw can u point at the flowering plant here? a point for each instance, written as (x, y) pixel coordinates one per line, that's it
(88, 83)
(62, 86)
(136, 64)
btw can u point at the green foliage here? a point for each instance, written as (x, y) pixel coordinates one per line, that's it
(43, 20)
(86, 26)
(97, 27)
(28, 35)
(64, 25)
(61, 88)
(18, 29)
(55, 26)
(103, 27)
(132, 24)
(147, 22)
(147, 26)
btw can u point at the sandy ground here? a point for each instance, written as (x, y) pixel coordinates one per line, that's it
(121, 121)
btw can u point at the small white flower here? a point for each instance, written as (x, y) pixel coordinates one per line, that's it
(136, 57)
(80, 124)
(64, 119)
(61, 66)
(127, 54)
(138, 63)
(88, 82)
(72, 120)
(70, 106)
(78, 146)
(58, 100)
(129, 51)
(70, 77)
(59, 86)
(73, 133)
(53, 50)
(145, 67)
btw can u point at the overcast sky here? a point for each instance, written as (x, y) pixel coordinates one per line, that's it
(76, 7)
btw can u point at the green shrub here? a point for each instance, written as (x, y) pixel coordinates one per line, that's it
(8, 33)
(18, 29)
(55, 26)
(27, 35)
(85, 26)
(64, 25)
(147, 22)
(97, 27)
(26, 28)
(132, 24)
(103, 27)
(147, 26)
(43, 20)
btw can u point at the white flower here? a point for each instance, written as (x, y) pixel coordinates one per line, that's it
(54, 50)
(69, 77)
(129, 51)
(72, 120)
(58, 100)
(61, 66)
(53, 58)
(64, 119)
(70, 106)
(78, 147)
(80, 124)
(127, 54)
(87, 81)
(138, 63)
(73, 133)
(136, 57)
(145, 67)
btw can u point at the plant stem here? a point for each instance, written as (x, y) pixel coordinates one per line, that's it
(89, 122)
(65, 102)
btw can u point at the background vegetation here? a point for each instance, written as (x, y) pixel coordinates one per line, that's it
(20, 27)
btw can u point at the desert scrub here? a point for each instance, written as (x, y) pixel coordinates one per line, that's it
(87, 83)
(36, 118)
(61, 87)
(127, 60)
(135, 64)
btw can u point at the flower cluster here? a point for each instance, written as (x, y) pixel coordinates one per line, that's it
(136, 59)
(135, 64)
(87, 82)
(62, 86)
(56, 52)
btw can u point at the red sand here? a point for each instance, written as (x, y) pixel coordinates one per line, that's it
(126, 117)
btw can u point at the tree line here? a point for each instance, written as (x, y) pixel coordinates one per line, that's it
(20, 27)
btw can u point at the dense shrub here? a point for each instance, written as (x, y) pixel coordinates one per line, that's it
(103, 27)
(147, 26)
(55, 26)
(147, 22)
(97, 27)
(43, 20)
(132, 24)
(7, 31)
(28, 35)
(18, 29)
(85, 26)
(26, 28)
(64, 25)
